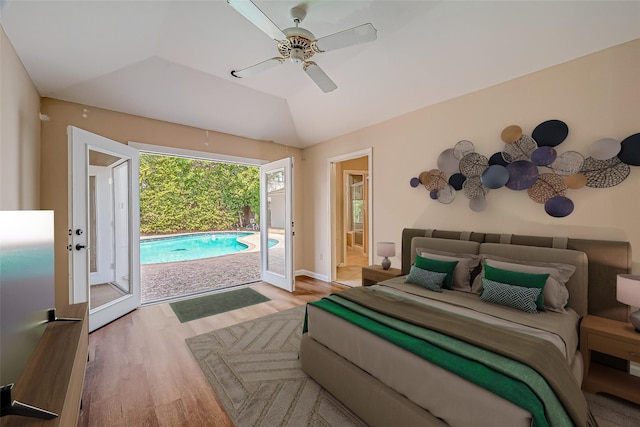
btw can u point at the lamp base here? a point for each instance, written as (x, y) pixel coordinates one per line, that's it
(634, 318)
(386, 263)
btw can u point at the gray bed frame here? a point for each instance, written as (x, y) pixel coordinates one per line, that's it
(379, 405)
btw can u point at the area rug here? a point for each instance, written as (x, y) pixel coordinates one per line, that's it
(208, 305)
(254, 370)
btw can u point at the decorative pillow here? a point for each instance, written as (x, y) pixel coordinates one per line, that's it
(516, 278)
(428, 279)
(467, 263)
(555, 293)
(512, 296)
(438, 267)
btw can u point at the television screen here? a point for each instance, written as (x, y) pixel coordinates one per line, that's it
(27, 288)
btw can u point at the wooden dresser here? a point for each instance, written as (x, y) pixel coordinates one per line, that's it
(53, 376)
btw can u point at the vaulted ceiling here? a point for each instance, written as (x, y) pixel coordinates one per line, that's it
(171, 60)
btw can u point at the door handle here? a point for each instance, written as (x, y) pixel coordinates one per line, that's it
(80, 246)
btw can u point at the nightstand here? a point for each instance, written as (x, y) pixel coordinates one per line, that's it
(616, 339)
(375, 273)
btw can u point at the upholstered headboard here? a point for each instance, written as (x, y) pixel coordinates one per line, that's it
(606, 260)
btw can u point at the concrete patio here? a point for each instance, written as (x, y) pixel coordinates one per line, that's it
(173, 279)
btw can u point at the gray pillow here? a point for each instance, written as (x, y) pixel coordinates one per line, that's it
(518, 297)
(462, 273)
(427, 279)
(555, 294)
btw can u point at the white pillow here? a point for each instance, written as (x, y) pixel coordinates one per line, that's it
(462, 273)
(555, 295)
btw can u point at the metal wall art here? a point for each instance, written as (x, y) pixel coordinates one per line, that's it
(530, 163)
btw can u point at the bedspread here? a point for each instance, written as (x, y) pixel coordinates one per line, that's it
(526, 370)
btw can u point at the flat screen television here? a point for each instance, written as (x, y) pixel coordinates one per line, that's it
(27, 287)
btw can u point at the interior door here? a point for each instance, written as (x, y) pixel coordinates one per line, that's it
(104, 226)
(276, 223)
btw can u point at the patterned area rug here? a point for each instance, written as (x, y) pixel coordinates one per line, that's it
(253, 368)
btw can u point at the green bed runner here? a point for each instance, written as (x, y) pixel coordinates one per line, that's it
(503, 376)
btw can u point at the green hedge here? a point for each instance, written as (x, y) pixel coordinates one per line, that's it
(186, 195)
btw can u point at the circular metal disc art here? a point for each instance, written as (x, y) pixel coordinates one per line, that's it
(478, 204)
(575, 181)
(567, 163)
(605, 173)
(558, 206)
(473, 164)
(414, 182)
(424, 178)
(495, 176)
(511, 134)
(438, 180)
(498, 159)
(630, 150)
(550, 133)
(457, 180)
(544, 156)
(547, 186)
(462, 148)
(604, 149)
(446, 195)
(522, 149)
(447, 162)
(522, 175)
(472, 187)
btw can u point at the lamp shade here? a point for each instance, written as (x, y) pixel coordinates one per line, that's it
(628, 289)
(386, 249)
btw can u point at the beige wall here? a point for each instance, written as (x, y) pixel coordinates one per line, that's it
(597, 96)
(123, 128)
(19, 133)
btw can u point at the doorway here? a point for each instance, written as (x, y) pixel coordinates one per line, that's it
(103, 226)
(262, 221)
(350, 217)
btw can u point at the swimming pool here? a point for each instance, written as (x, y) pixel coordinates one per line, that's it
(192, 246)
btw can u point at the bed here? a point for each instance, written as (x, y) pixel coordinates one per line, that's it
(391, 372)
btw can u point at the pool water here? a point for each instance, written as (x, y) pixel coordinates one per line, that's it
(191, 247)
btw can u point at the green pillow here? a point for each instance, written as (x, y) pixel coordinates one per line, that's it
(425, 278)
(438, 267)
(516, 278)
(518, 297)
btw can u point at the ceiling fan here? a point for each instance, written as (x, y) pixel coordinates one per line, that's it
(299, 44)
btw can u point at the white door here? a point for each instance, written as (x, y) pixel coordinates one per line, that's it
(104, 226)
(276, 223)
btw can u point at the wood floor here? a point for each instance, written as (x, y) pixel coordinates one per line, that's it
(351, 273)
(141, 372)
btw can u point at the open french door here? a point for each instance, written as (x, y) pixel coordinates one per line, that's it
(104, 226)
(276, 223)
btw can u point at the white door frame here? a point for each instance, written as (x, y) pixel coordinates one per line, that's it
(80, 143)
(285, 278)
(331, 217)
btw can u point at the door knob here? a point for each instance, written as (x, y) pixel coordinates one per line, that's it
(79, 246)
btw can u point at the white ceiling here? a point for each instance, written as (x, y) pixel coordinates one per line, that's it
(170, 60)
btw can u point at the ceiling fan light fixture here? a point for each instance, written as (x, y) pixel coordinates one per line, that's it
(297, 56)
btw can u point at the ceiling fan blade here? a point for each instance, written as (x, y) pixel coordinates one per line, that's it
(360, 34)
(257, 68)
(319, 77)
(250, 11)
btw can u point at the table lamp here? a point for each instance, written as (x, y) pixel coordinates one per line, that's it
(628, 292)
(386, 249)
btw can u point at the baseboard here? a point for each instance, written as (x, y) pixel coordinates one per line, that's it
(312, 274)
(634, 369)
